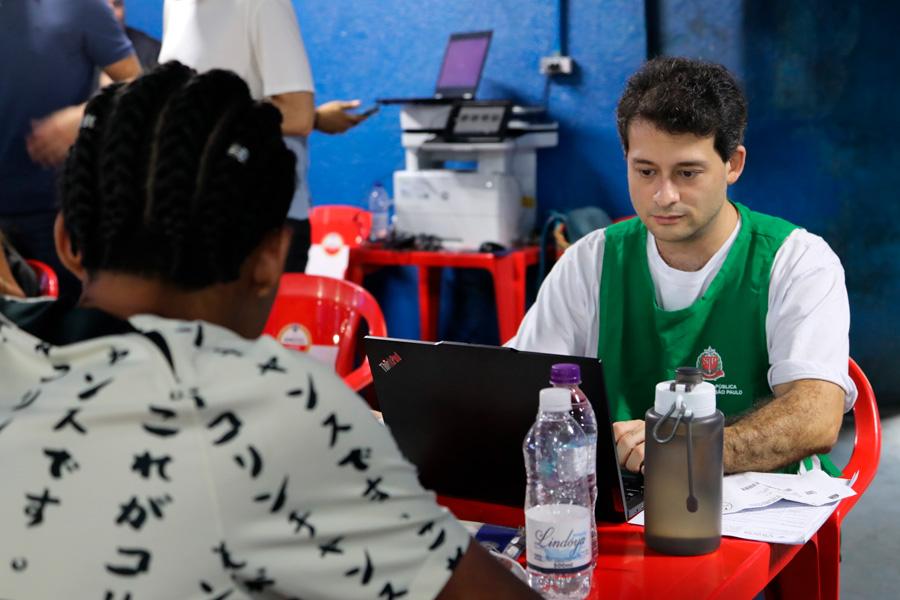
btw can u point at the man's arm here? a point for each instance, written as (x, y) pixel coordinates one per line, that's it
(564, 317)
(479, 576)
(124, 70)
(52, 136)
(804, 418)
(298, 112)
(300, 115)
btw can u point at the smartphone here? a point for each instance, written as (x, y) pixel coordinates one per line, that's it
(369, 111)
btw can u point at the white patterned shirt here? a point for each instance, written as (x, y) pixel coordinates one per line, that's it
(157, 458)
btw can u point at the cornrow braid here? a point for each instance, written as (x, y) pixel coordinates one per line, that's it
(193, 174)
(207, 103)
(124, 152)
(231, 170)
(79, 183)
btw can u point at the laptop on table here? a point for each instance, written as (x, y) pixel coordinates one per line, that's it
(460, 413)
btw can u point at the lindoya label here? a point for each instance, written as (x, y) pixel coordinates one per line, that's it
(558, 538)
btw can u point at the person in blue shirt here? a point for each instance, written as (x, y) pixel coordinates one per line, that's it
(146, 47)
(51, 50)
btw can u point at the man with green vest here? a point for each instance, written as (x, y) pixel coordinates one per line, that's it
(758, 304)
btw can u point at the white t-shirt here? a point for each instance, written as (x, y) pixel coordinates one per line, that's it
(259, 40)
(220, 467)
(807, 323)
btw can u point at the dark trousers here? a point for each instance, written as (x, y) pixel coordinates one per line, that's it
(299, 250)
(32, 236)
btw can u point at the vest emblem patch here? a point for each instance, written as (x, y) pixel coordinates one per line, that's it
(710, 364)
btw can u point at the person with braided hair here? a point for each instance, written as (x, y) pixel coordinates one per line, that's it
(260, 40)
(162, 449)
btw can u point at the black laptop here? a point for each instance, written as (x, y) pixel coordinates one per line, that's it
(460, 71)
(460, 413)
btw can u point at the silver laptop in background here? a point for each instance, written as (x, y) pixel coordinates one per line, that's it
(460, 72)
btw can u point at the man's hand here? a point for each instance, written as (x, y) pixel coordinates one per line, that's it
(630, 444)
(52, 136)
(334, 116)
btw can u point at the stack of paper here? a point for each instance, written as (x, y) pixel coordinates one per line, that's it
(772, 507)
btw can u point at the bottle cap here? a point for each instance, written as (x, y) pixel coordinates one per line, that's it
(555, 400)
(688, 375)
(565, 373)
(699, 398)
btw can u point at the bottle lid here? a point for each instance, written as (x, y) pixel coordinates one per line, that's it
(565, 373)
(688, 375)
(689, 389)
(555, 400)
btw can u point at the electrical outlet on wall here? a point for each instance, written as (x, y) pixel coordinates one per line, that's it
(557, 65)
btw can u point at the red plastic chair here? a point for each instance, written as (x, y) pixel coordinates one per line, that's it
(350, 223)
(313, 311)
(47, 278)
(335, 229)
(822, 554)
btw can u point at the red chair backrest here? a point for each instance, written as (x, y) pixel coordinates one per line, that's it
(867, 445)
(311, 310)
(351, 223)
(47, 278)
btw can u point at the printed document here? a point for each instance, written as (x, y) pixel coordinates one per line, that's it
(777, 508)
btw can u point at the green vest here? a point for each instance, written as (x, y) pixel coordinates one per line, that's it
(723, 332)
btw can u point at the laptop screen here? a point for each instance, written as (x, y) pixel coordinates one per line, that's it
(460, 413)
(463, 63)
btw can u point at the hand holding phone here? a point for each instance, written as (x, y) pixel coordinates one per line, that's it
(336, 116)
(369, 111)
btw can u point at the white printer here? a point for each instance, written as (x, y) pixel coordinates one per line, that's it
(470, 174)
(471, 171)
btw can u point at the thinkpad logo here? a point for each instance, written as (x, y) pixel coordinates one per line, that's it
(388, 363)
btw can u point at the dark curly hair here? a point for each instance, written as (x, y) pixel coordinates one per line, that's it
(683, 95)
(176, 176)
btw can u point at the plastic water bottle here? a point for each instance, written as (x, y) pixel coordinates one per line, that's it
(557, 501)
(380, 205)
(568, 376)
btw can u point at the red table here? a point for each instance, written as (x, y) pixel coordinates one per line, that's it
(507, 270)
(627, 569)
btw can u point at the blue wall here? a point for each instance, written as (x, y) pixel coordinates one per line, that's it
(822, 81)
(823, 89)
(367, 50)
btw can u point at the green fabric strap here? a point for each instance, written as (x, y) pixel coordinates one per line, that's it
(723, 332)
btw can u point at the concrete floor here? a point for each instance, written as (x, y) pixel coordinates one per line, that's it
(871, 532)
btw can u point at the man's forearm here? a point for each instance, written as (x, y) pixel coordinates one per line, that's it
(804, 418)
(297, 111)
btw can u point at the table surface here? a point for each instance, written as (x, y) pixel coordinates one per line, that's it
(374, 254)
(627, 569)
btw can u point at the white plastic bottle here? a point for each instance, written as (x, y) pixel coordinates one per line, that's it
(557, 501)
(568, 376)
(380, 205)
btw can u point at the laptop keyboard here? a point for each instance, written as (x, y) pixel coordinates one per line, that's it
(633, 485)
